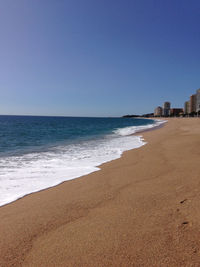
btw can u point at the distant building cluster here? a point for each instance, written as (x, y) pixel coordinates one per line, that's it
(191, 108)
(167, 111)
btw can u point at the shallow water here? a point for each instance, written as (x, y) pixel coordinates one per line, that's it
(40, 152)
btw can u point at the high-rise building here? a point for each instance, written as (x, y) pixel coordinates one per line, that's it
(166, 109)
(192, 104)
(198, 100)
(158, 112)
(187, 107)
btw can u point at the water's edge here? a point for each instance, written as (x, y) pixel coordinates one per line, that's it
(140, 143)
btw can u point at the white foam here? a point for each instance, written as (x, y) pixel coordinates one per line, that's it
(134, 129)
(22, 175)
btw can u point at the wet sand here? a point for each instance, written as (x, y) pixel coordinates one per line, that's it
(140, 210)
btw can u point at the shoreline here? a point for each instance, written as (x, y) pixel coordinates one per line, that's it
(139, 210)
(96, 167)
(154, 128)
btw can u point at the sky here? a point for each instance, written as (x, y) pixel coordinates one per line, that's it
(97, 57)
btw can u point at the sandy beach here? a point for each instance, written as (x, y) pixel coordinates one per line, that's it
(139, 210)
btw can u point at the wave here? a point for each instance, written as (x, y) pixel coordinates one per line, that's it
(135, 129)
(28, 173)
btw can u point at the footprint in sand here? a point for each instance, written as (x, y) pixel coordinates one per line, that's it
(182, 201)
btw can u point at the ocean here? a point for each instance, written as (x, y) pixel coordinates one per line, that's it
(41, 152)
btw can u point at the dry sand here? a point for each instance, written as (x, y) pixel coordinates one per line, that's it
(140, 210)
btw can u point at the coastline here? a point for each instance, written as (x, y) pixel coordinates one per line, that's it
(156, 127)
(118, 142)
(127, 214)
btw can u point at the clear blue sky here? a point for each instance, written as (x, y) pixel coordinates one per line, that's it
(97, 57)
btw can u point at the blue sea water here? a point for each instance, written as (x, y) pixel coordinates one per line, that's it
(40, 152)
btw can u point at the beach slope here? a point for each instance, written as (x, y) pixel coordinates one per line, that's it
(139, 210)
